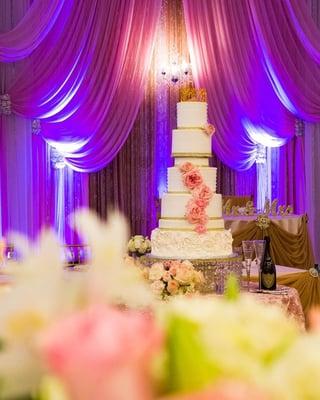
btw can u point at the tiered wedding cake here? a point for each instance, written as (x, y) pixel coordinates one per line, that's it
(191, 224)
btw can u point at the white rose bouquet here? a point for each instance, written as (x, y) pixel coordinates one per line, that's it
(139, 245)
(173, 277)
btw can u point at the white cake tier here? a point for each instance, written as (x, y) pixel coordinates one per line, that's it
(191, 114)
(198, 161)
(191, 141)
(175, 183)
(183, 224)
(173, 205)
(191, 245)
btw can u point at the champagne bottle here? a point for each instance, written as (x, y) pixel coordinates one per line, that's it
(268, 274)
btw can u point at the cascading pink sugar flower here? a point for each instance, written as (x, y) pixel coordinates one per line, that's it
(192, 179)
(200, 228)
(186, 167)
(203, 192)
(194, 213)
(209, 129)
(201, 196)
(103, 353)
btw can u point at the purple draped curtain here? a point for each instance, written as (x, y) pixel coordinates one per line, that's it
(136, 178)
(254, 64)
(85, 80)
(20, 41)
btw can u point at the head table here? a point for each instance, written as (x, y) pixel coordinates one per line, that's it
(290, 241)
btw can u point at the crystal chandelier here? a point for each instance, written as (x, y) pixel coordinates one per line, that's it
(176, 72)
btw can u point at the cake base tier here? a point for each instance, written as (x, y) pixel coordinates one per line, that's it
(180, 244)
(215, 270)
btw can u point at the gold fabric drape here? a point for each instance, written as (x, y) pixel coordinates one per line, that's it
(286, 248)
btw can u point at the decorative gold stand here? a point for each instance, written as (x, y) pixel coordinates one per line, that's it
(215, 270)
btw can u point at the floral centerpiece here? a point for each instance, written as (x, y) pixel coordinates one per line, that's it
(139, 245)
(173, 277)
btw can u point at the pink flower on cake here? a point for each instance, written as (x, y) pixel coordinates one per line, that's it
(194, 213)
(192, 179)
(201, 203)
(209, 129)
(203, 192)
(186, 167)
(200, 228)
(95, 351)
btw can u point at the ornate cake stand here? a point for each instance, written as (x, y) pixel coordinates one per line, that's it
(215, 270)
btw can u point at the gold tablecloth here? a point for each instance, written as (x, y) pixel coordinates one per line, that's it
(289, 301)
(290, 241)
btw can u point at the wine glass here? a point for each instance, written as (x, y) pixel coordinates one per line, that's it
(259, 250)
(248, 250)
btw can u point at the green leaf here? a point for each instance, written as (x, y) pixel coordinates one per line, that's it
(232, 291)
(189, 367)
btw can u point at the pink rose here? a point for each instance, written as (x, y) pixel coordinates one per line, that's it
(186, 167)
(209, 129)
(173, 287)
(192, 179)
(195, 214)
(166, 277)
(184, 275)
(201, 203)
(95, 351)
(203, 192)
(200, 228)
(173, 271)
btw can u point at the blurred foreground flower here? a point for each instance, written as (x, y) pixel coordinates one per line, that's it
(104, 353)
(224, 391)
(213, 339)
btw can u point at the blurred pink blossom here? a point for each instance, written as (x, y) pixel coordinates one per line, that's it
(103, 353)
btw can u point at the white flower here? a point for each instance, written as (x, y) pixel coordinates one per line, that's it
(156, 271)
(131, 246)
(157, 287)
(296, 376)
(138, 241)
(143, 248)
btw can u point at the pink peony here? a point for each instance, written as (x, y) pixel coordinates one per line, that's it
(186, 167)
(203, 192)
(103, 353)
(173, 287)
(200, 228)
(192, 179)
